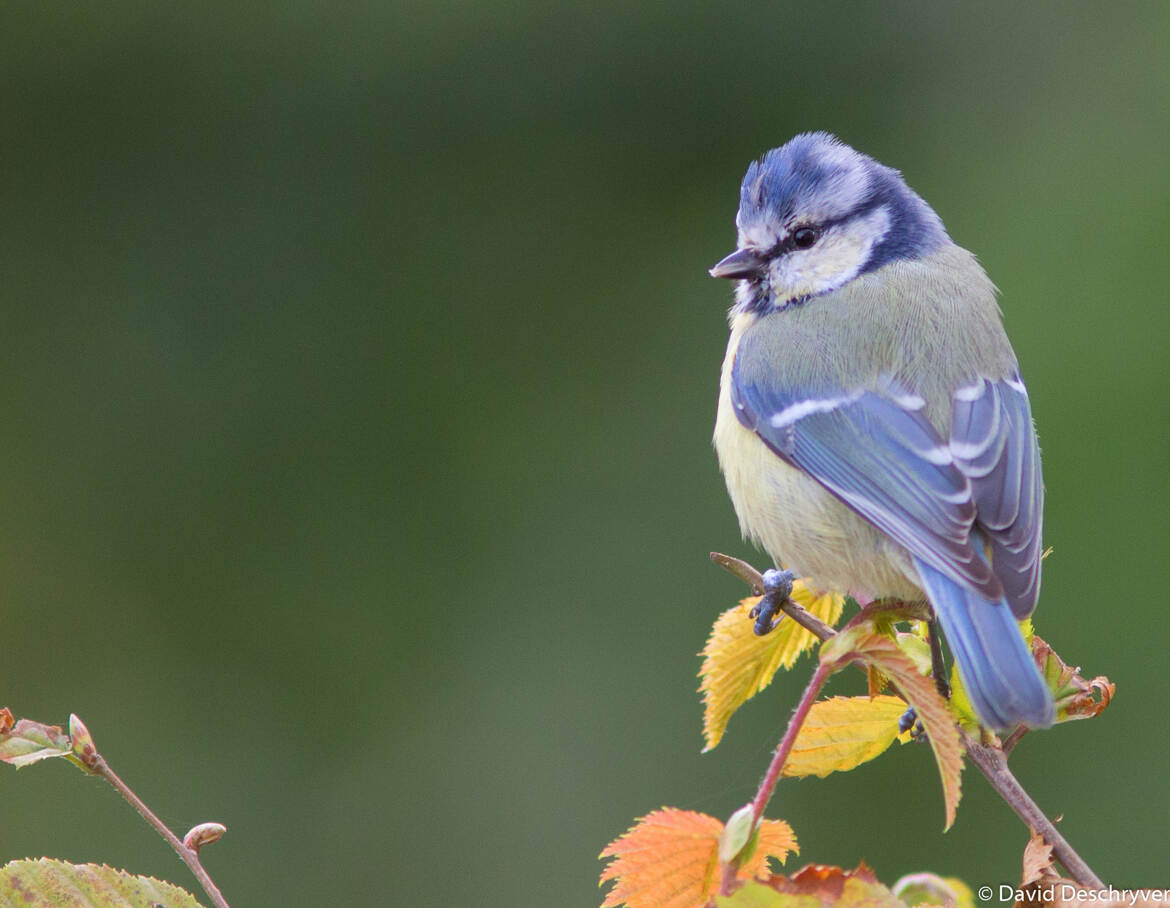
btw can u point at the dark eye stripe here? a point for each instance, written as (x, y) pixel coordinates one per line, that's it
(803, 237)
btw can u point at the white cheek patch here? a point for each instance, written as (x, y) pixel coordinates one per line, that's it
(835, 260)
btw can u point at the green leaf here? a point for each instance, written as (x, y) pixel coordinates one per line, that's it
(757, 895)
(930, 889)
(917, 648)
(47, 882)
(27, 742)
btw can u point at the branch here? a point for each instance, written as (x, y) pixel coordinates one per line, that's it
(189, 856)
(87, 755)
(991, 761)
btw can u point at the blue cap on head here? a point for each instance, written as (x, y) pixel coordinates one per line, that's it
(817, 179)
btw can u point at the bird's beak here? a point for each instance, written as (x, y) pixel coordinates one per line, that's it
(741, 263)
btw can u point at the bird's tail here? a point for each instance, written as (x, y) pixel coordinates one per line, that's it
(998, 671)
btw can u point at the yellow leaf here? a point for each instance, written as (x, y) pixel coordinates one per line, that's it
(815, 886)
(862, 894)
(754, 894)
(737, 664)
(960, 703)
(843, 732)
(964, 897)
(670, 858)
(860, 644)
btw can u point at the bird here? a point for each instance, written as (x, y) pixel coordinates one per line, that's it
(873, 430)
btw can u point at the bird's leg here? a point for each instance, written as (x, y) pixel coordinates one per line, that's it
(937, 667)
(777, 588)
(938, 670)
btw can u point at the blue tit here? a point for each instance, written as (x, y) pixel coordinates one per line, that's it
(873, 429)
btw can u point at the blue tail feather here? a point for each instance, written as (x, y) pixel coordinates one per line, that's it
(998, 671)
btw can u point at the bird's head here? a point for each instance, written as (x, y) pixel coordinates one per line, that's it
(814, 215)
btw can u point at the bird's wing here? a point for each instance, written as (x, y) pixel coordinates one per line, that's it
(993, 442)
(877, 452)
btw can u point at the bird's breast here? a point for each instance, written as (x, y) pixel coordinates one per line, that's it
(799, 523)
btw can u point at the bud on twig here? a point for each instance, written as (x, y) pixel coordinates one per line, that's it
(82, 743)
(736, 835)
(203, 834)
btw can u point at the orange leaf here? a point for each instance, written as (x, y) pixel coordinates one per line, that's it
(669, 859)
(860, 644)
(1076, 698)
(737, 664)
(1043, 887)
(777, 840)
(1037, 861)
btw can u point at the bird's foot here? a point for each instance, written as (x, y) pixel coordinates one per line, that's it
(777, 588)
(911, 723)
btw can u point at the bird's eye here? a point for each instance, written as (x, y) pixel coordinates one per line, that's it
(804, 237)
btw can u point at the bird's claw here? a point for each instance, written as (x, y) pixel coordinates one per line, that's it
(911, 723)
(777, 589)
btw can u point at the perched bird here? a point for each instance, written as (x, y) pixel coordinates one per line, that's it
(873, 429)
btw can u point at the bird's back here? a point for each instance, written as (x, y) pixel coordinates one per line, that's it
(901, 322)
(910, 321)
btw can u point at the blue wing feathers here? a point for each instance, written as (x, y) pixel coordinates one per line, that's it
(881, 458)
(949, 503)
(994, 444)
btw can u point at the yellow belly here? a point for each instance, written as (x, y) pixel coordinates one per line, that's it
(799, 523)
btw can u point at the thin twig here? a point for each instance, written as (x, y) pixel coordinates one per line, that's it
(991, 761)
(100, 767)
(772, 776)
(742, 570)
(993, 764)
(1009, 743)
(755, 580)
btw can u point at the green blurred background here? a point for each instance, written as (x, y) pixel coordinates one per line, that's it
(358, 373)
